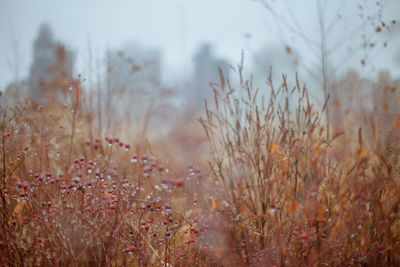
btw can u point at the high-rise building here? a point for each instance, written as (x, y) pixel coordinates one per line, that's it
(133, 79)
(205, 72)
(279, 60)
(47, 53)
(134, 68)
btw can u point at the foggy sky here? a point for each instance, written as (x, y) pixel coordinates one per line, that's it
(176, 27)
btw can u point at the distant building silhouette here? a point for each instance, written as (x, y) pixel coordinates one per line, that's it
(282, 60)
(47, 53)
(206, 71)
(134, 68)
(133, 78)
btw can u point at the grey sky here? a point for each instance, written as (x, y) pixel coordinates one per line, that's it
(174, 26)
(177, 27)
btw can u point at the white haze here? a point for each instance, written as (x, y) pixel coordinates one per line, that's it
(176, 27)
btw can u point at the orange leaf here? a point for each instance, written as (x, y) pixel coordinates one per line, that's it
(214, 204)
(360, 153)
(283, 248)
(336, 103)
(314, 162)
(293, 206)
(385, 105)
(272, 146)
(396, 123)
(320, 213)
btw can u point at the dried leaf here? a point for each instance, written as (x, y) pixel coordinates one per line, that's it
(385, 105)
(360, 153)
(283, 248)
(396, 123)
(320, 213)
(293, 206)
(214, 204)
(272, 146)
(314, 162)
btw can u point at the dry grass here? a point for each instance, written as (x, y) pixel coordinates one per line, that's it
(293, 196)
(274, 187)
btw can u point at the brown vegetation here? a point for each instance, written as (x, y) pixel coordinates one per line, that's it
(273, 189)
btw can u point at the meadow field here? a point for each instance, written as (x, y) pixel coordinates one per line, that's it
(271, 183)
(294, 167)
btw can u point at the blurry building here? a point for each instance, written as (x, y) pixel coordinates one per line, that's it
(133, 84)
(51, 68)
(205, 72)
(279, 59)
(133, 76)
(134, 68)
